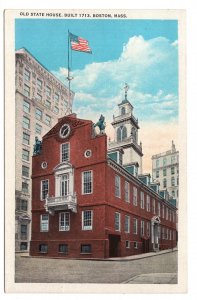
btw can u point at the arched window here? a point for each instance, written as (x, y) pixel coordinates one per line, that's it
(121, 133)
(123, 111)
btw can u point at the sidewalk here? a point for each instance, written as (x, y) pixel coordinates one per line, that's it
(153, 278)
(143, 255)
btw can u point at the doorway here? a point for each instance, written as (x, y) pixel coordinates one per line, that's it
(114, 245)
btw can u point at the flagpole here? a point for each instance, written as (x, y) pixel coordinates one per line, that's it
(69, 78)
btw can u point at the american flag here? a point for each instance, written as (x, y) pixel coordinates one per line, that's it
(79, 43)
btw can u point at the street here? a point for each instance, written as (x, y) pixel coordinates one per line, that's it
(45, 270)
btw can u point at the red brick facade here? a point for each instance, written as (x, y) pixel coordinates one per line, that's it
(93, 233)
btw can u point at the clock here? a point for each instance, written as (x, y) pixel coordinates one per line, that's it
(64, 131)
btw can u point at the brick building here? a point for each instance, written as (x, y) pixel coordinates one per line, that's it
(85, 203)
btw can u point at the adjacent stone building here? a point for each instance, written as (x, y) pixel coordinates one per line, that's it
(40, 99)
(165, 170)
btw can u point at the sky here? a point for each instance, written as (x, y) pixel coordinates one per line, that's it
(141, 53)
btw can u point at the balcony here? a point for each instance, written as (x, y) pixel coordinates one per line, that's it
(68, 202)
(125, 116)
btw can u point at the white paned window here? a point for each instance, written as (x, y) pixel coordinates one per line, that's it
(39, 97)
(44, 223)
(26, 123)
(142, 200)
(48, 91)
(48, 120)
(65, 152)
(127, 224)
(135, 223)
(117, 186)
(148, 203)
(126, 188)
(87, 220)
(26, 90)
(134, 196)
(39, 83)
(117, 221)
(87, 180)
(25, 154)
(26, 138)
(38, 114)
(44, 189)
(38, 128)
(142, 227)
(26, 75)
(159, 209)
(64, 221)
(26, 106)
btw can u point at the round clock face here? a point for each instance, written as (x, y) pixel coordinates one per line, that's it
(64, 131)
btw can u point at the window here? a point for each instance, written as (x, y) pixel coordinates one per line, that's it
(87, 178)
(167, 233)
(166, 213)
(164, 161)
(177, 180)
(56, 109)
(127, 224)
(123, 111)
(38, 128)
(134, 196)
(39, 97)
(26, 90)
(26, 106)
(26, 123)
(172, 170)
(56, 97)
(44, 223)
(117, 186)
(117, 221)
(135, 244)
(48, 103)
(44, 189)
(157, 174)
(142, 228)
(25, 171)
(43, 248)
(163, 211)
(65, 152)
(127, 244)
(148, 203)
(38, 114)
(26, 138)
(63, 248)
(164, 172)
(25, 187)
(64, 221)
(172, 181)
(26, 75)
(165, 183)
(148, 229)
(173, 159)
(25, 155)
(23, 231)
(170, 215)
(170, 235)
(173, 194)
(159, 209)
(126, 189)
(87, 220)
(142, 200)
(48, 120)
(48, 91)
(86, 249)
(157, 163)
(23, 205)
(121, 133)
(23, 246)
(135, 229)
(153, 206)
(39, 83)
(64, 185)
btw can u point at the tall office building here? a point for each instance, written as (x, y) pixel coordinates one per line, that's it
(165, 170)
(40, 99)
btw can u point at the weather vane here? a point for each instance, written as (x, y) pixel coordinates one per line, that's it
(126, 88)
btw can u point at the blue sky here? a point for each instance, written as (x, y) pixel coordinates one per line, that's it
(142, 53)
